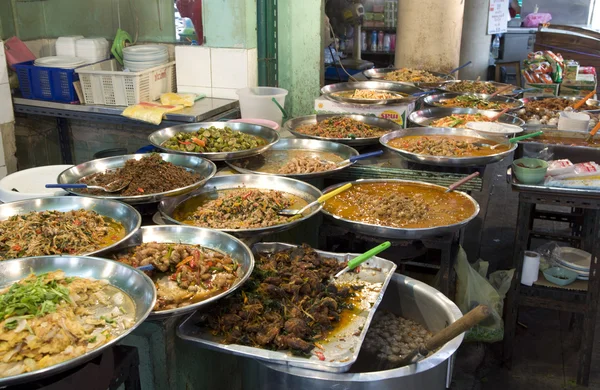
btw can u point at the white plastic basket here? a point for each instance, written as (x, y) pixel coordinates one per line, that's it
(106, 83)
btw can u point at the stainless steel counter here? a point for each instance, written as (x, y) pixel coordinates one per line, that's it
(203, 109)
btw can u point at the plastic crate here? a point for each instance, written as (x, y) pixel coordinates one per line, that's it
(106, 83)
(53, 84)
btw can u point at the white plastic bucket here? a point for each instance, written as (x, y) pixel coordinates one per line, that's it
(256, 103)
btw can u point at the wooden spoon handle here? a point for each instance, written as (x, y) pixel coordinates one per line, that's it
(595, 129)
(501, 90)
(465, 323)
(462, 181)
(495, 118)
(580, 103)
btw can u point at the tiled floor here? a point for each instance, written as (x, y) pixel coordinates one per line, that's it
(545, 353)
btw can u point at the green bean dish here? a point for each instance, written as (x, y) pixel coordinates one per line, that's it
(213, 140)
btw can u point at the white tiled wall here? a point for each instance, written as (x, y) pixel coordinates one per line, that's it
(215, 72)
(6, 108)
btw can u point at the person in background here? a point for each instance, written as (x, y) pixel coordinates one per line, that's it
(514, 8)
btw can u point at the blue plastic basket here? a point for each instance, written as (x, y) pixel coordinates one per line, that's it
(53, 84)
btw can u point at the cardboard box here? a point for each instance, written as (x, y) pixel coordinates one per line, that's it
(584, 84)
(397, 112)
(541, 89)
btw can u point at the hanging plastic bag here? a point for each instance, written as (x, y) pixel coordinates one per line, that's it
(472, 289)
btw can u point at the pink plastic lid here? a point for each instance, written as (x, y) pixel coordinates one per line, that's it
(16, 52)
(260, 122)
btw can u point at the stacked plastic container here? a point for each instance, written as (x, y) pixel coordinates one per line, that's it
(65, 46)
(92, 49)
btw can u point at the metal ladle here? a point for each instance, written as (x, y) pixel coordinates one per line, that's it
(114, 186)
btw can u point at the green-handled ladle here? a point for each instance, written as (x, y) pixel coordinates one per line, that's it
(358, 260)
(510, 141)
(283, 111)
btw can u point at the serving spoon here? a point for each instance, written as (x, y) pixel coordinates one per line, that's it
(462, 181)
(510, 141)
(322, 199)
(114, 186)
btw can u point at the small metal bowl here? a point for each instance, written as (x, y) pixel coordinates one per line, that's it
(132, 282)
(332, 92)
(158, 138)
(436, 100)
(279, 153)
(293, 124)
(120, 212)
(191, 235)
(423, 118)
(205, 168)
(264, 182)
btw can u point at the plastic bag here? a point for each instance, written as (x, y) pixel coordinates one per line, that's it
(472, 289)
(549, 253)
(178, 99)
(149, 112)
(535, 19)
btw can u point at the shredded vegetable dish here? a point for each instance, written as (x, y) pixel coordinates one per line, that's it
(467, 101)
(471, 86)
(41, 233)
(370, 94)
(400, 205)
(213, 140)
(447, 146)
(50, 318)
(184, 274)
(241, 208)
(459, 120)
(342, 127)
(289, 303)
(148, 175)
(412, 76)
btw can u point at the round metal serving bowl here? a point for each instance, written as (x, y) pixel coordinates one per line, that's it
(191, 235)
(205, 168)
(437, 100)
(293, 124)
(333, 91)
(131, 281)
(279, 154)
(269, 135)
(392, 232)
(380, 73)
(120, 212)
(295, 187)
(445, 160)
(510, 92)
(555, 113)
(423, 118)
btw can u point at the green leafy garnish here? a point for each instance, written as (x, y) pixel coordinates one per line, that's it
(108, 320)
(10, 325)
(92, 339)
(35, 296)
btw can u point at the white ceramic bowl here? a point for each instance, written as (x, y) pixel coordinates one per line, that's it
(31, 183)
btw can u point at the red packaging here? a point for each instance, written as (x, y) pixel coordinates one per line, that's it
(587, 70)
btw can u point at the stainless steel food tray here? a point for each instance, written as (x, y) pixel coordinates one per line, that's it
(443, 160)
(205, 168)
(191, 235)
(279, 154)
(293, 124)
(515, 91)
(379, 74)
(424, 117)
(269, 135)
(436, 100)
(398, 233)
(265, 182)
(342, 349)
(131, 281)
(123, 213)
(540, 188)
(331, 92)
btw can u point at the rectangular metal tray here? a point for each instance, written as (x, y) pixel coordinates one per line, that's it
(542, 189)
(341, 348)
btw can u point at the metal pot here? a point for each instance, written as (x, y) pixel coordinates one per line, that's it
(406, 297)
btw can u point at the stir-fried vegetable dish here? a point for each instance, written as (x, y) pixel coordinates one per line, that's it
(289, 303)
(342, 127)
(471, 86)
(305, 164)
(458, 120)
(400, 205)
(447, 146)
(41, 233)
(148, 175)
(183, 274)
(242, 208)
(412, 76)
(370, 94)
(469, 101)
(214, 140)
(49, 318)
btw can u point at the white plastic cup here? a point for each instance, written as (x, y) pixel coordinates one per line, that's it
(257, 103)
(531, 268)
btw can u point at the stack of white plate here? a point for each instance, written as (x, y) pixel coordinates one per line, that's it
(576, 260)
(138, 58)
(60, 62)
